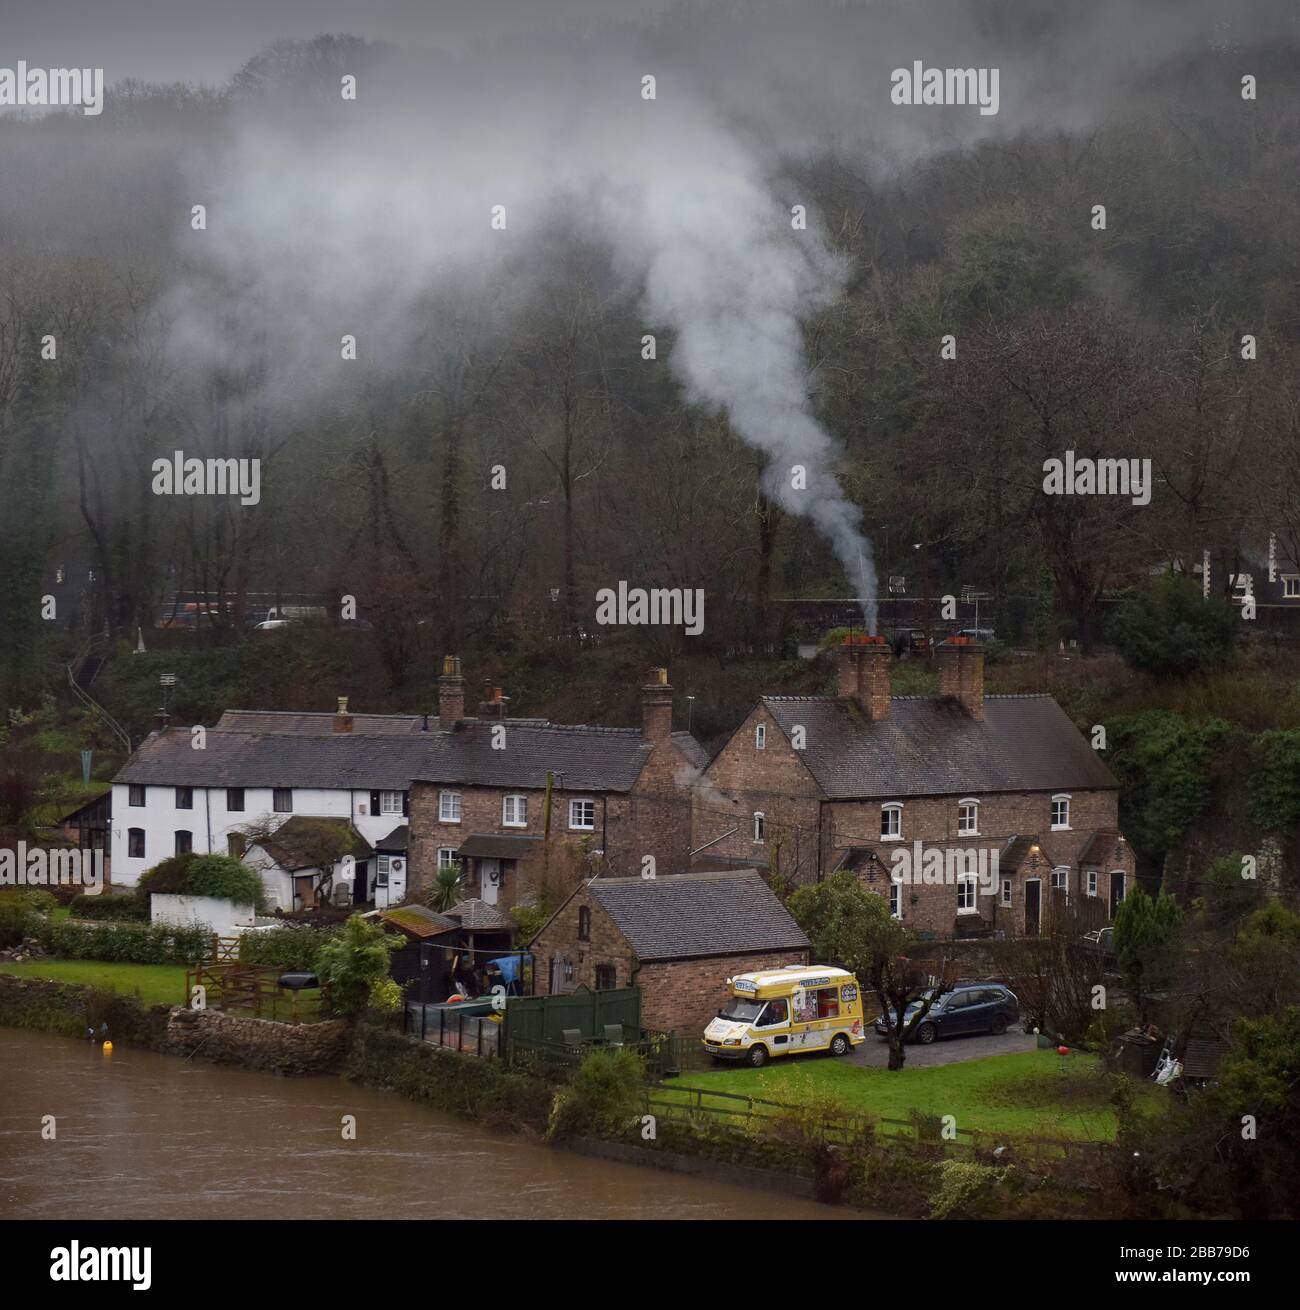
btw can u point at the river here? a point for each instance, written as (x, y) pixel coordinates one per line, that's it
(145, 1136)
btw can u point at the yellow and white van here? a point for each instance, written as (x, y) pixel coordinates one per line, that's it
(780, 1011)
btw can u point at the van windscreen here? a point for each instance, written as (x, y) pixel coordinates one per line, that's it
(740, 1011)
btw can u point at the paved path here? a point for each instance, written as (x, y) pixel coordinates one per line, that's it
(874, 1052)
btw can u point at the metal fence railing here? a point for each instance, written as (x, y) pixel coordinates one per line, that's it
(442, 1025)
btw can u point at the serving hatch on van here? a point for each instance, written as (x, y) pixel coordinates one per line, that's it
(780, 1011)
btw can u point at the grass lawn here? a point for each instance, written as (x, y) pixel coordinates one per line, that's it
(1027, 1094)
(157, 984)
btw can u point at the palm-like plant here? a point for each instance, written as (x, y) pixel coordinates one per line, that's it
(447, 887)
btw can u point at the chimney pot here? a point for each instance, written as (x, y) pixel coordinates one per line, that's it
(961, 673)
(343, 720)
(657, 707)
(864, 673)
(451, 693)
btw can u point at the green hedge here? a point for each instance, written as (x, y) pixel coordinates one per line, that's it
(113, 908)
(17, 921)
(295, 946)
(128, 942)
(219, 876)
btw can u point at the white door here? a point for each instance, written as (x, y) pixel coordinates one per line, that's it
(489, 872)
(396, 880)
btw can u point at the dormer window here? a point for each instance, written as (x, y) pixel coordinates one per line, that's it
(1060, 813)
(891, 822)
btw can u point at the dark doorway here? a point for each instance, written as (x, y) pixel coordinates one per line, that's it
(361, 883)
(1117, 883)
(1033, 906)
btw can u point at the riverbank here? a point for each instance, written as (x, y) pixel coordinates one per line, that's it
(918, 1176)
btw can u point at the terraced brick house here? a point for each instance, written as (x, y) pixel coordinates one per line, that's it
(934, 787)
(515, 800)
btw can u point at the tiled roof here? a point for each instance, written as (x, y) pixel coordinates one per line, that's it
(418, 920)
(685, 915)
(695, 754)
(397, 840)
(313, 723)
(930, 746)
(1102, 849)
(475, 913)
(498, 846)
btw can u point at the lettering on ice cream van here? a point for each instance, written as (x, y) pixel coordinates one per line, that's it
(781, 1011)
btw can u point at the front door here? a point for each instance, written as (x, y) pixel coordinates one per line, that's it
(1033, 906)
(489, 873)
(1117, 881)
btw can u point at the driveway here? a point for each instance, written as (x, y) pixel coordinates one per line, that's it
(874, 1052)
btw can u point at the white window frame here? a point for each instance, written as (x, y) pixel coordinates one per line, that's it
(520, 807)
(449, 801)
(1291, 586)
(895, 899)
(967, 881)
(389, 805)
(974, 806)
(760, 827)
(450, 853)
(1007, 891)
(1059, 799)
(1061, 871)
(760, 736)
(894, 809)
(575, 826)
(1092, 882)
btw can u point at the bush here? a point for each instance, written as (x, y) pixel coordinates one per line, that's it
(129, 943)
(607, 1094)
(1173, 631)
(114, 908)
(353, 961)
(220, 876)
(17, 920)
(295, 946)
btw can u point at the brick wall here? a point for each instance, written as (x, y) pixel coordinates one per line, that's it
(560, 941)
(683, 995)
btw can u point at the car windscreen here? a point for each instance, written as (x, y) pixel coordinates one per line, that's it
(739, 1011)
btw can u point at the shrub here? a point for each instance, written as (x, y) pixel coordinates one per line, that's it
(606, 1095)
(1173, 631)
(131, 943)
(965, 1190)
(220, 876)
(17, 920)
(116, 908)
(295, 946)
(39, 900)
(353, 961)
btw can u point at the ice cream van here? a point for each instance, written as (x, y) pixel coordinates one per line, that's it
(783, 1011)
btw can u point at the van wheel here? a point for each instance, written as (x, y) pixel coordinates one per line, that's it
(999, 1026)
(757, 1056)
(926, 1033)
(839, 1044)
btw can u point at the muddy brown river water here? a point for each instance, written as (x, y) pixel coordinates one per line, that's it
(144, 1136)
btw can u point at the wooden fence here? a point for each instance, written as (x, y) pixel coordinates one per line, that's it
(254, 990)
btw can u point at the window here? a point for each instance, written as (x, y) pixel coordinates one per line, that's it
(184, 798)
(773, 1013)
(1092, 882)
(760, 736)
(135, 843)
(584, 923)
(184, 841)
(760, 826)
(891, 822)
(1291, 586)
(449, 807)
(282, 800)
(968, 818)
(446, 856)
(236, 844)
(605, 978)
(235, 799)
(895, 900)
(1006, 891)
(966, 885)
(381, 870)
(390, 802)
(1118, 885)
(514, 811)
(1060, 812)
(135, 795)
(582, 815)
(1061, 881)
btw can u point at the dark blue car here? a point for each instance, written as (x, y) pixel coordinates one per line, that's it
(968, 1008)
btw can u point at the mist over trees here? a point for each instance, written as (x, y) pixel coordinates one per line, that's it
(382, 477)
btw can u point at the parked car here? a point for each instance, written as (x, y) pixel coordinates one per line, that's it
(968, 1008)
(273, 625)
(1101, 940)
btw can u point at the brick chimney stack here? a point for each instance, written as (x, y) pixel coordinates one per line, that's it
(864, 674)
(657, 707)
(961, 673)
(495, 706)
(343, 720)
(451, 693)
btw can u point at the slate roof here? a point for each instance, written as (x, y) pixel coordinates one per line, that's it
(930, 746)
(313, 723)
(397, 840)
(689, 915)
(498, 846)
(585, 758)
(477, 914)
(1100, 849)
(293, 844)
(695, 754)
